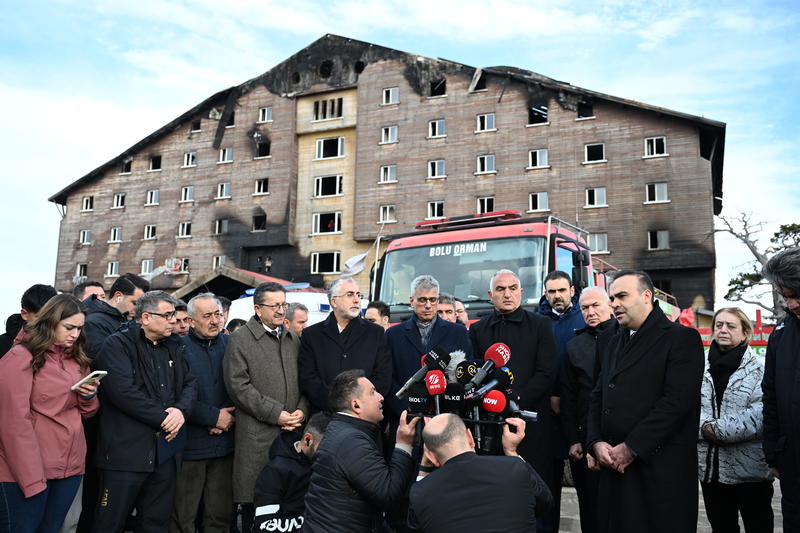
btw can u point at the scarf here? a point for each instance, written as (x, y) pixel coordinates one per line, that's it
(721, 364)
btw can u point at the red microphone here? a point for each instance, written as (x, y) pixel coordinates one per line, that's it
(436, 385)
(494, 402)
(497, 355)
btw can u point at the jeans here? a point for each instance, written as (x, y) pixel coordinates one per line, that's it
(41, 513)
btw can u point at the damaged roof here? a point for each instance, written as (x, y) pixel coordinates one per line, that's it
(318, 62)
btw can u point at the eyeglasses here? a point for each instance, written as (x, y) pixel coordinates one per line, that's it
(169, 315)
(423, 300)
(348, 294)
(274, 307)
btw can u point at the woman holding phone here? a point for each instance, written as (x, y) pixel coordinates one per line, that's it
(42, 446)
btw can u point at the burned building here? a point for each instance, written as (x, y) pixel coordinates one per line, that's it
(297, 170)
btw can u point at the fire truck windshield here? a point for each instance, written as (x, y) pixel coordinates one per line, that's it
(465, 269)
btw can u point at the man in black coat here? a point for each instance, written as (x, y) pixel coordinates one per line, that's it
(351, 481)
(533, 362)
(147, 395)
(105, 317)
(468, 492)
(643, 417)
(781, 386)
(577, 382)
(343, 341)
(32, 301)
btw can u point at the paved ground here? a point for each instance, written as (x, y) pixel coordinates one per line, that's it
(570, 520)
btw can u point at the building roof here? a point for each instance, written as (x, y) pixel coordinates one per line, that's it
(299, 73)
(232, 282)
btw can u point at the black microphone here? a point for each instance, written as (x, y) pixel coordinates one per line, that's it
(514, 410)
(436, 359)
(500, 379)
(497, 355)
(465, 371)
(417, 401)
(453, 399)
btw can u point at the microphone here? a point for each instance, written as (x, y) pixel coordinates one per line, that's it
(514, 410)
(417, 401)
(465, 371)
(436, 359)
(453, 401)
(494, 403)
(435, 384)
(501, 379)
(497, 355)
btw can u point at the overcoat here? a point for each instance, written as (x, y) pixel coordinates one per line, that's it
(648, 396)
(261, 377)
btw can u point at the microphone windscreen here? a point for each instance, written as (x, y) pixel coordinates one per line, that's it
(455, 357)
(465, 371)
(418, 399)
(498, 353)
(437, 359)
(494, 402)
(435, 382)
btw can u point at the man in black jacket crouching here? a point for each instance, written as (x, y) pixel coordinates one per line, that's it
(351, 483)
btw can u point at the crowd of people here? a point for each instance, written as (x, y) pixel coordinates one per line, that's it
(130, 410)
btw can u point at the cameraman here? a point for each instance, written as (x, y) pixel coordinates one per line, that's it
(468, 492)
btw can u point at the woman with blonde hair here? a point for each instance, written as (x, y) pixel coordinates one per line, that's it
(42, 446)
(733, 473)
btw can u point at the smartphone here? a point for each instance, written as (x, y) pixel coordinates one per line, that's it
(97, 375)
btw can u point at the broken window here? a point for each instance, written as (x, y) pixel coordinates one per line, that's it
(218, 261)
(436, 169)
(127, 165)
(594, 153)
(391, 95)
(150, 231)
(664, 285)
(585, 110)
(656, 192)
(262, 186)
(119, 201)
(327, 148)
(328, 186)
(596, 197)
(220, 226)
(328, 109)
(537, 114)
(231, 120)
(185, 229)
(485, 204)
(538, 158)
(436, 209)
(388, 174)
(537, 201)
(598, 242)
(326, 68)
(439, 87)
(658, 240)
(485, 122)
(195, 125)
(327, 222)
(325, 262)
(436, 128)
(187, 193)
(386, 214)
(265, 114)
(485, 164)
(389, 134)
(263, 148)
(223, 190)
(151, 197)
(155, 162)
(190, 159)
(655, 146)
(260, 222)
(478, 81)
(87, 203)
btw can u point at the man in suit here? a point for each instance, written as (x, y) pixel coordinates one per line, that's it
(467, 492)
(413, 338)
(643, 415)
(343, 341)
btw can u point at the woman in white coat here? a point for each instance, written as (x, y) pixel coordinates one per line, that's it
(733, 474)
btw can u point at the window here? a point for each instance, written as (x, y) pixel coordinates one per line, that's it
(485, 122)
(537, 114)
(655, 193)
(187, 193)
(223, 191)
(190, 159)
(218, 261)
(127, 166)
(538, 159)
(328, 109)
(327, 186)
(112, 269)
(485, 164)
(183, 264)
(327, 223)
(119, 201)
(82, 270)
(598, 242)
(655, 146)
(436, 209)
(596, 197)
(387, 214)
(328, 148)
(155, 163)
(594, 153)
(658, 240)
(195, 125)
(259, 222)
(220, 226)
(149, 231)
(537, 201)
(389, 134)
(265, 114)
(116, 234)
(147, 266)
(485, 204)
(87, 203)
(325, 262)
(585, 110)
(185, 229)
(436, 169)
(439, 87)
(225, 155)
(85, 236)
(231, 120)
(263, 148)
(262, 186)
(151, 198)
(388, 174)
(391, 95)
(436, 128)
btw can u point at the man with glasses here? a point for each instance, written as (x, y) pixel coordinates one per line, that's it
(260, 370)
(343, 341)
(146, 396)
(206, 474)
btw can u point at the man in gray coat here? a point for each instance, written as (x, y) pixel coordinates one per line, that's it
(260, 369)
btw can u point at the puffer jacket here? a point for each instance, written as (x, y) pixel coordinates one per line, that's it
(738, 424)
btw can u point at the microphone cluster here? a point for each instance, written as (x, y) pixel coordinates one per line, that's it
(481, 394)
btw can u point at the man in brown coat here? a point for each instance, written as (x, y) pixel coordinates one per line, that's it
(260, 369)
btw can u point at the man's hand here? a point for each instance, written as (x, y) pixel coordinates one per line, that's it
(592, 463)
(215, 431)
(576, 451)
(172, 422)
(290, 421)
(406, 430)
(555, 404)
(511, 440)
(225, 419)
(621, 456)
(601, 452)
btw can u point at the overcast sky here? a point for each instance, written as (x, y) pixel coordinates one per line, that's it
(82, 81)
